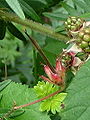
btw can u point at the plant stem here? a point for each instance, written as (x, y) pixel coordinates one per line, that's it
(33, 25)
(44, 98)
(37, 46)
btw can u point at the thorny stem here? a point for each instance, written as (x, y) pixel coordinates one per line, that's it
(44, 98)
(37, 46)
(33, 25)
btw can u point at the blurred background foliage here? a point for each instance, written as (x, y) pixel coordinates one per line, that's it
(23, 62)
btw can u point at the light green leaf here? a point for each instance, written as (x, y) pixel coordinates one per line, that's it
(14, 4)
(53, 103)
(77, 103)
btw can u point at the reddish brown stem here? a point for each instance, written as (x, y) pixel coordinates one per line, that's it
(44, 98)
(41, 52)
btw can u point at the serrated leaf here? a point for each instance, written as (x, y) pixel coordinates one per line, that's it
(77, 103)
(14, 4)
(21, 94)
(53, 103)
(4, 84)
(2, 29)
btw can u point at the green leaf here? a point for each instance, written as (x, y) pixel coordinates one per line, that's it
(69, 9)
(17, 113)
(2, 29)
(21, 94)
(85, 15)
(4, 84)
(82, 5)
(60, 28)
(14, 30)
(29, 11)
(14, 4)
(87, 2)
(53, 103)
(77, 102)
(58, 16)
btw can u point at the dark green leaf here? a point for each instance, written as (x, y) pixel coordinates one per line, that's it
(29, 11)
(12, 29)
(77, 103)
(2, 29)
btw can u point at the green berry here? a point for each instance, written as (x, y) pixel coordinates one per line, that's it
(87, 49)
(69, 26)
(72, 24)
(86, 38)
(73, 28)
(87, 30)
(73, 17)
(74, 20)
(81, 34)
(79, 20)
(89, 43)
(69, 21)
(84, 44)
(78, 40)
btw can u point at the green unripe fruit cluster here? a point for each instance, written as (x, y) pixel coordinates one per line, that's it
(66, 59)
(74, 23)
(83, 40)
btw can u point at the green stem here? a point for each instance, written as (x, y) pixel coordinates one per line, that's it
(33, 25)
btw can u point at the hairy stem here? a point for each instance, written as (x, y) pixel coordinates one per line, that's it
(44, 98)
(33, 25)
(37, 46)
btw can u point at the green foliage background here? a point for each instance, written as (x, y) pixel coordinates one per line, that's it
(24, 62)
